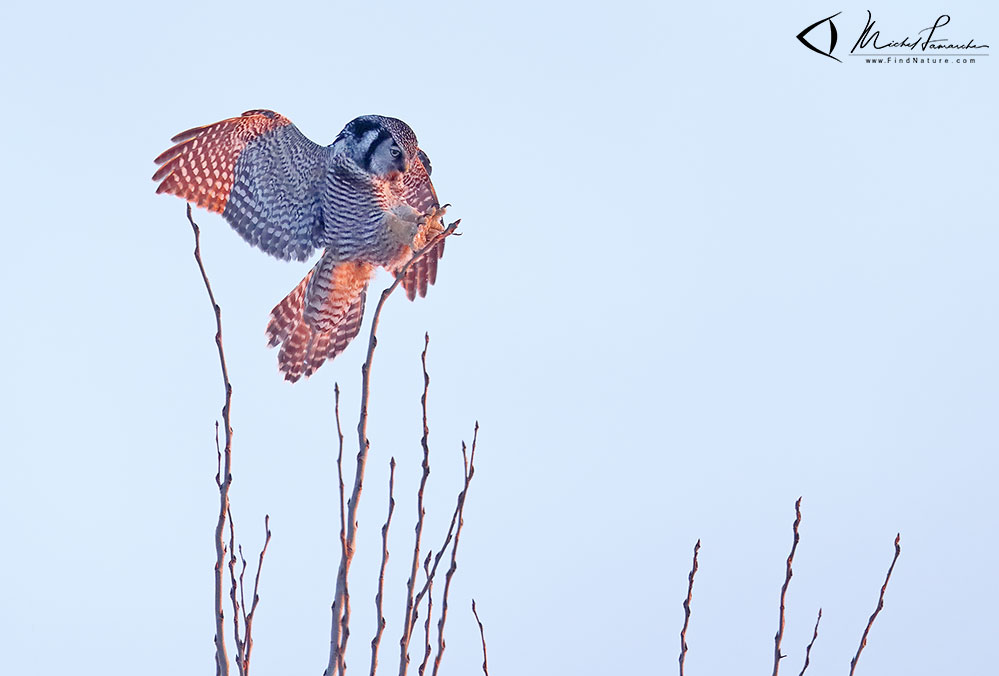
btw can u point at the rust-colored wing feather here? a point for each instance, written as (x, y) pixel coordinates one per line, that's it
(257, 170)
(200, 168)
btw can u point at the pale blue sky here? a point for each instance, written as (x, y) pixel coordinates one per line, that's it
(703, 271)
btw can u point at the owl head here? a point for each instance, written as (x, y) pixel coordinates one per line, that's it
(382, 146)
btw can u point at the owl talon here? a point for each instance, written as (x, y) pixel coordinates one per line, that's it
(434, 220)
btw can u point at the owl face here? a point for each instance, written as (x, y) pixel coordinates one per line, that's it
(382, 146)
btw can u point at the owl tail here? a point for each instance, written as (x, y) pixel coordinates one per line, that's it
(319, 318)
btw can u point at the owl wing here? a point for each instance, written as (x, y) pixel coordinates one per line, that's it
(418, 192)
(260, 172)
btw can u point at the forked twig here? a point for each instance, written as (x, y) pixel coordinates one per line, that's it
(343, 510)
(469, 473)
(409, 619)
(233, 590)
(428, 584)
(808, 650)
(881, 604)
(225, 480)
(244, 645)
(482, 633)
(339, 469)
(339, 611)
(379, 615)
(783, 591)
(248, 617)
(686, 607)
(430, 613)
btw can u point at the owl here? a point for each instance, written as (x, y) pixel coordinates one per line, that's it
(366, 201)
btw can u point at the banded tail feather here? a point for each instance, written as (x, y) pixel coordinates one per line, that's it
(319, 318)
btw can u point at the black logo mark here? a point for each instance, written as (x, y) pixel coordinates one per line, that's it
(832, 36)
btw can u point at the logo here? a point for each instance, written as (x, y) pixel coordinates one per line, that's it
(832, 36)
(932, 44)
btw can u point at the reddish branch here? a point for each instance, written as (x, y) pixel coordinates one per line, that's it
(247, 648)
(469, 472)
(686, 610)
(233, 590)
(343, 511)
(783, 591)
(430, 613)
(339, 469)
(881, 604)
(224, 478)
(482, 633)
(380, 616)
(458, 510)
(338, 628)
(808, 650)
(409, 620)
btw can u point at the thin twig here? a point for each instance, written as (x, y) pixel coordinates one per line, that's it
(345, 621)
(881, 604)
(469, 472)
(783, 591)
(482, 633)
(428, 584)
(248, 618)
(808, 650)
(339, 469)
(379, 615)
(337, 648)
(233, 589)
(409, 620)
(686, 607)
(221, 659)
(240, 654)
(430, 613)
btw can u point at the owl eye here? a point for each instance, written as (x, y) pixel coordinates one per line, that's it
(395, 152)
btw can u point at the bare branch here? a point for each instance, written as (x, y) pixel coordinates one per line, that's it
(808, 650)
(343, 522)
(430, 613)
(221, 659)
(482, 633)
(339, 469)
(428, 584)
(469, 472)
(783, 592)
(881, 604)
(409, 620)
(686, 608)
(338, 637)
(248, 618)
(242, 593)
(233, 589)
(379, 615)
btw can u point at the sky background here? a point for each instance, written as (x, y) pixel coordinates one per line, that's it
(703, 271)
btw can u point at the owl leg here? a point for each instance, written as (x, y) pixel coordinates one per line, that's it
(403, 223)
(423, 272)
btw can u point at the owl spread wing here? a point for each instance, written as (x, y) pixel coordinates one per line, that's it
(418, 192)
(260, 172)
